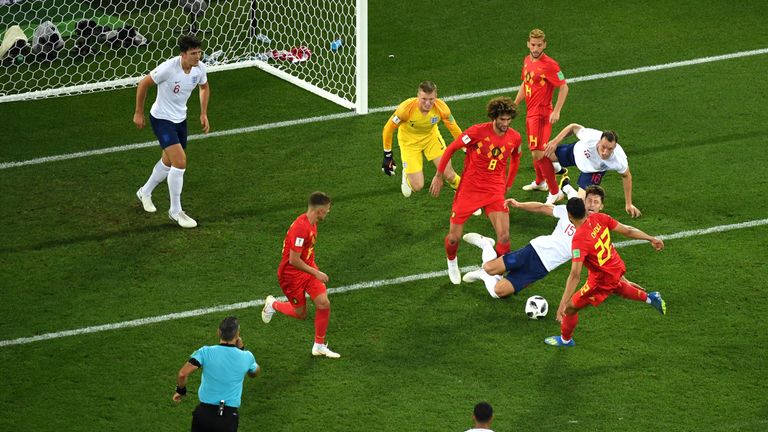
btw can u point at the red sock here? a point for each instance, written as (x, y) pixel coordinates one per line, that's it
(539, 176)
(451, 249)
(286, 308)
(568, 325)
(501, 248)
(629, 292)
(548, 172)
(321, 324)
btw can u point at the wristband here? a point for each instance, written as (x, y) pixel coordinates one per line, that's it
(181, 390)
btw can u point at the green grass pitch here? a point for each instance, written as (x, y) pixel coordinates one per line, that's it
(76, 250)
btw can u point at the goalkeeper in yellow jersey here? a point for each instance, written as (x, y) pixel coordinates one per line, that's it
(417, 119)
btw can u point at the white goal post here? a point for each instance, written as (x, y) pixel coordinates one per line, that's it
(63, 47)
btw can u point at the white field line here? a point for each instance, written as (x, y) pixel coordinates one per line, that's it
(339, 290)
(287, 123)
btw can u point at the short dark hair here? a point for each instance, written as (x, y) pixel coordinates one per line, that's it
(576, 208)
(483, 412)
(317, 199)
(595, 190)
(428, 87)
(229, 327)
(500, 106)
(610, 135)
(188, 42)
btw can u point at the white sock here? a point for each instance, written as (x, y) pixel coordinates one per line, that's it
(159, 173)
(175, 184)
(570, 192)
(489, 253)
(490, 282)
(557, 167)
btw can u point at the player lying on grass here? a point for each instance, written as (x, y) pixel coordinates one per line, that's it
(535, 260)
(594, 154)
(592, 247)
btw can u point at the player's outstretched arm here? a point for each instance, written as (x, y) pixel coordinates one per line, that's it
(626, 181)
(571, 129)
(437, 180)
(634, 233)
(531, 206)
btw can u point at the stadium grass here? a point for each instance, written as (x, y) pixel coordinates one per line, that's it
(77, 250)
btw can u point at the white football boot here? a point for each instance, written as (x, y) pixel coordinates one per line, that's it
(472, 276)
(404, 187)
(552, 199)
(536, 186)
(146, 201)
(453, 271)
(182, 219)
(478, 240)
(268, 311)
(322, 350)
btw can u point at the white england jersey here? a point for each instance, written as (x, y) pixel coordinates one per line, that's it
(174, 87)
(588, 159)
(555, 249)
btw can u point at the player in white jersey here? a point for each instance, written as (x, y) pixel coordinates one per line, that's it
(595, 153)
(535, 260)
(176, 79)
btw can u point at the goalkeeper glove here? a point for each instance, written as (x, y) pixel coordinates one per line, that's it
(388, 166)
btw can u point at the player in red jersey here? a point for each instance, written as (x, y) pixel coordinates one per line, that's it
(592, 247)
(485, 179)
(541, 75)
(298, 274)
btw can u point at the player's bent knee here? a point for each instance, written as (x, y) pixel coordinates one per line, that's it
(504, 288)
(494, 267)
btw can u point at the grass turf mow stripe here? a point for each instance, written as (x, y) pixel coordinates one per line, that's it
(339, 290)
(316, 119)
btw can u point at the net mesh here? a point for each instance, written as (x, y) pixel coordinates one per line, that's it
(55, 47)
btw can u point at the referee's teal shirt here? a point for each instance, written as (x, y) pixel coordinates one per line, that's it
(224, 369)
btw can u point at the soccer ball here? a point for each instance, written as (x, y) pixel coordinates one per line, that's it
(536, 307)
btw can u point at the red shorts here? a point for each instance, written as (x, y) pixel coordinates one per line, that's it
(294, 288)
(464, 206)
(539, 131)
(594, 295)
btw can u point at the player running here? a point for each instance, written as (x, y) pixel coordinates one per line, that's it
(592, 247)
(541, 75)
(535, 260)
(595, 153)
(416, 120)
(490, 147)
(298, 274)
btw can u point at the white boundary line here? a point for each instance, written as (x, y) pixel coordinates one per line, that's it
(339, 290)
(287, 123)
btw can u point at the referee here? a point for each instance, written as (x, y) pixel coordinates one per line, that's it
(224, 368)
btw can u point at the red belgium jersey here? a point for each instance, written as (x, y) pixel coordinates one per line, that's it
(540, 78)
(485, 166)
(301, 237)
(592, 245)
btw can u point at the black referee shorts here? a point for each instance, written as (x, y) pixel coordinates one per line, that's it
(205, 418)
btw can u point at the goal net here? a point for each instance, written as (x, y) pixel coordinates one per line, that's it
(60, 47)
